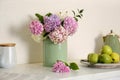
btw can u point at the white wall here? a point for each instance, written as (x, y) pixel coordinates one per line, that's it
(100, 16)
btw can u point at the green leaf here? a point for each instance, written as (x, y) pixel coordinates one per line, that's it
(78, 16)
(40, 17)
(81, 11)
(75, 18)
(73, 12)
(45, 34)
(74, 66)
(62, 23)
(48, 14)
(66, 64)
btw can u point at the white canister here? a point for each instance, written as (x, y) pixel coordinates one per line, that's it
(7, 55)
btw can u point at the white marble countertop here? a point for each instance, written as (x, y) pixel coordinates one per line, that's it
(38, 72)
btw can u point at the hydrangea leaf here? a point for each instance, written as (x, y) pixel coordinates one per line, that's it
(40, 17)
(81, 11)
(48, 14)
(73, 12)
(74, 66)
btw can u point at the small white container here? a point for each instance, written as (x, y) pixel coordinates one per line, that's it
(7, 55)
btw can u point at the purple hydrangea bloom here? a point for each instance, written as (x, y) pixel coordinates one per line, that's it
(60, 67)
(36, 27)
(70, 24)
(51, 22)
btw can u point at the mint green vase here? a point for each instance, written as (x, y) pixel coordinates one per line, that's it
(53, 52)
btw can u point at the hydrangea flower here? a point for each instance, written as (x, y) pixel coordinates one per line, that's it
(70, 24)
(51, 22)
(36, 27)
(60, 67)
(58, 35)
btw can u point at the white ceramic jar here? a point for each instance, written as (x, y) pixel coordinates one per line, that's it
(7, 55)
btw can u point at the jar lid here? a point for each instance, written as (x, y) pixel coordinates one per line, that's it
(7, 44)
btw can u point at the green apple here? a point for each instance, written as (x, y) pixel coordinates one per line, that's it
(93, 58)
(106, 50)
(105, 58)
(115, 57)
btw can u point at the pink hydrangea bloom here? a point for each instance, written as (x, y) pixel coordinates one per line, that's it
(70, 24)
(36, 27)
(60, 67)
(58, 35)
